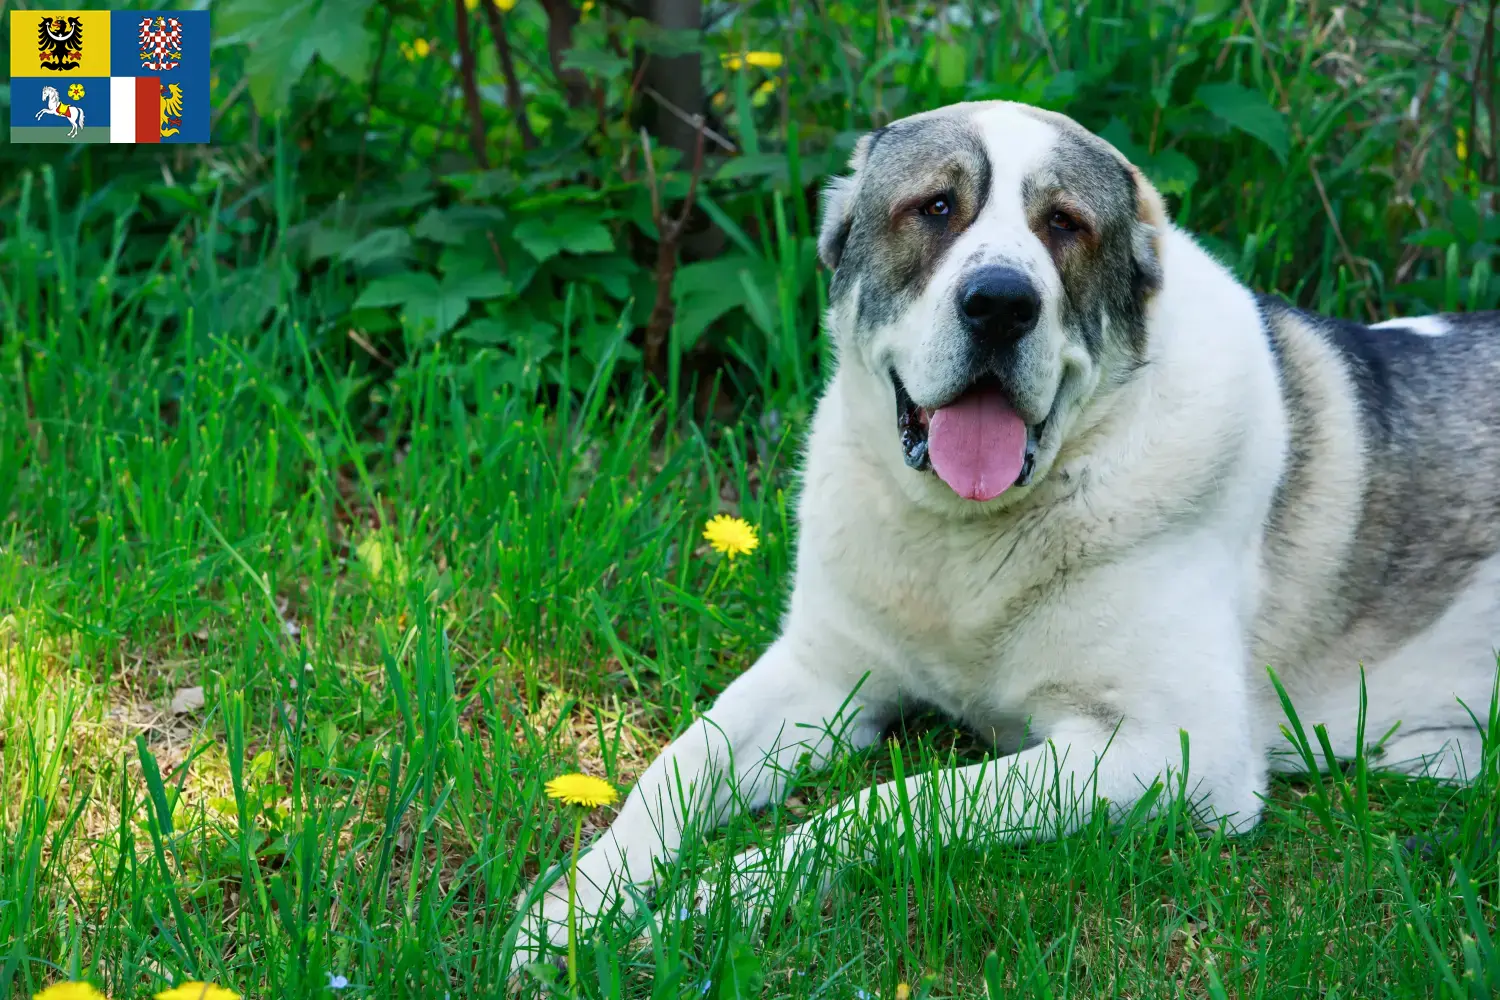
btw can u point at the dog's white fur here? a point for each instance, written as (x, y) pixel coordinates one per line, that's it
(904, 592)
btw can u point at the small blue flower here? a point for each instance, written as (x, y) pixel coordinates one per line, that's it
(337, 982)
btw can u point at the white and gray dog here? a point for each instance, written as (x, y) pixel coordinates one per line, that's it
(1076, 486)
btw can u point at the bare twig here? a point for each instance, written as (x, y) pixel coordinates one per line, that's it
(694, 120)
(369, 348)
(1260, 39)
(1338, 234)
(513, 96)
(230, 98)
(1485, 59)
(471, 89)
(669, 237)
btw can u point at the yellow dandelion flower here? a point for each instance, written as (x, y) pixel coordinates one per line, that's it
(762, 60)
(903, 991)
(730, 536)
(197, 991)
(582, 790)
(70, 991)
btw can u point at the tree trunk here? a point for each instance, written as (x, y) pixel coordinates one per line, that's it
(679, 81)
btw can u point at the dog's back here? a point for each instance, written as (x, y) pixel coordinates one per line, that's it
(1383, 547)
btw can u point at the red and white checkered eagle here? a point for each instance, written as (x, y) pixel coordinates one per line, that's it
(161, 43)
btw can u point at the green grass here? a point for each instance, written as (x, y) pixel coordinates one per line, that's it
(416, 573)
(402, 638)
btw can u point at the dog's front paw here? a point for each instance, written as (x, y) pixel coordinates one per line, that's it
(543, 935)
(762, 883)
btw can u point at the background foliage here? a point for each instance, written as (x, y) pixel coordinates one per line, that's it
(352, 470)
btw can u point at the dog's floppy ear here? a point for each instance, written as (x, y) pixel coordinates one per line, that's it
(838, 204)
(1150, 226)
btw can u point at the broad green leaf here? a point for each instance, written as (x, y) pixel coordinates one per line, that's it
(546, 237)
(1062, 87)
(273, 70)
(285, 37)
(382, 244)
(1247, 110)
(339, 34)
(479, 286)
(951, 64)
(488, 330)
(595, 63)
(436, 315)
(665, 42)
(739, 974)
(771, 165)
(453, 225)
(1171, 171)
(397, 289)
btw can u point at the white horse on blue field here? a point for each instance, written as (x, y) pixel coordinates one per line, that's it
(72, 112)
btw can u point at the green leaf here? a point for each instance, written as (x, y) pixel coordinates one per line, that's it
(1247, 110)
(1171, 171)
(595, 63)
(739, 975)
(339, 34)
(772, 165)
(665, 42)
(397, 290)
(1431, 238)
(285, 37)
(382, 244)
(479, 286)
(951, 64)
(272, 71)
(565, 232)
(437, 314)
(454, 225)
(1062, 87)
(488, 330)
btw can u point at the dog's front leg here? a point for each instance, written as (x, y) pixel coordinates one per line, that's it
(798, 698)
(1045, 792)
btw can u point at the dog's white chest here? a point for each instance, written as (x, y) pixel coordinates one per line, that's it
(951, 608)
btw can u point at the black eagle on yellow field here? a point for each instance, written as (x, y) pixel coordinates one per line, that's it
(59, 42)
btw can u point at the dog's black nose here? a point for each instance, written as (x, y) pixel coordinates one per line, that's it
(999, 303)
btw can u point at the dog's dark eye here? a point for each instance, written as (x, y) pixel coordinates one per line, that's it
(1065, 222)
(936, 206)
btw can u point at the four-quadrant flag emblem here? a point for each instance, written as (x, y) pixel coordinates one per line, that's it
(109, 76)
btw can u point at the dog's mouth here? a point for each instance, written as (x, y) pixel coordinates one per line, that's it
(976, 443)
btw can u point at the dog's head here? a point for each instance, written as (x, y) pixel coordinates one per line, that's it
(994, 263)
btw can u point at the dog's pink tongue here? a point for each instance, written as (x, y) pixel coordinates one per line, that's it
(977, 444)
